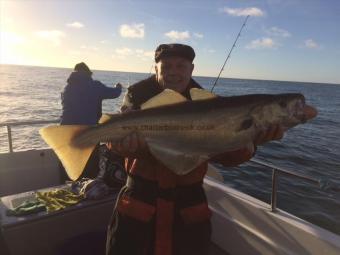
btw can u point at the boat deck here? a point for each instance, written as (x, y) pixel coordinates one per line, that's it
(16, 230)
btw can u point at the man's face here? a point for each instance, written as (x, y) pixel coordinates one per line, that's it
(174, 73)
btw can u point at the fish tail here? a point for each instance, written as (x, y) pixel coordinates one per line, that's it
(73, 158)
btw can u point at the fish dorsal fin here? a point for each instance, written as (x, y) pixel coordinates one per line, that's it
(166, 97)
(105, 118)
(60, 137)
(201, 94)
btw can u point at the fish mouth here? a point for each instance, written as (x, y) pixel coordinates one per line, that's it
(309, 112)
(297, 109)
(305, 112)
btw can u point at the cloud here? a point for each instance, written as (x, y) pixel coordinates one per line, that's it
(176, 35)
(198, 35)
(76, 24)
(150, 54)
(311, 44)
(123, 53)
(89, 48)
(145, 55)
(252, 11)
(275, 31)
(53, 36)
(263, 43)
(9, 38)
(132, 31)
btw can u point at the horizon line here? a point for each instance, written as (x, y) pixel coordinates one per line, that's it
(204, 76)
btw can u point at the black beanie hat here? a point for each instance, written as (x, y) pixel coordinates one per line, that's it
(82, 67)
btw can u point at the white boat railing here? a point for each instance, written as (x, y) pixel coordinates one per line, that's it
(9, 126)
(276, 171)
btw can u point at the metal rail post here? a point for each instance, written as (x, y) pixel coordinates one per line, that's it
(9, 134)
(274, 190)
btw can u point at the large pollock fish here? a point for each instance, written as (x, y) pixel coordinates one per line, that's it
(180, 133)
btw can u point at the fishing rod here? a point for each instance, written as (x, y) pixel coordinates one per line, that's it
(151, 70)
(239, 33)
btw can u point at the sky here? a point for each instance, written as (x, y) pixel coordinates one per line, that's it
(287, 40)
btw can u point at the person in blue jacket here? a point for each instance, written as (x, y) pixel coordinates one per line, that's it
(82, 105)
(82, 97)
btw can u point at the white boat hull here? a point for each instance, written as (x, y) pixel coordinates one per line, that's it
(245, 225)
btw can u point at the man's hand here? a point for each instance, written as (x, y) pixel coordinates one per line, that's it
(274, 132)
(235, 158)
(118, 86)
(129, 145)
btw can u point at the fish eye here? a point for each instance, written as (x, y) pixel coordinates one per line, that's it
(246, 124)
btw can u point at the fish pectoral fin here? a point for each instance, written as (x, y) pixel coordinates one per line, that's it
(59, 138)
(105, 118)
(201, 94)
(177, 161)
(166, 97)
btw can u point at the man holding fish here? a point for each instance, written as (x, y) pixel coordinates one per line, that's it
(160, 211)
(168, 130)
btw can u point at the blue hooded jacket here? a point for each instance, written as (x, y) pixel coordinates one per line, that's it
(82, 99)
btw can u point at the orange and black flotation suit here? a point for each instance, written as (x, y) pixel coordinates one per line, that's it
(159, 212)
